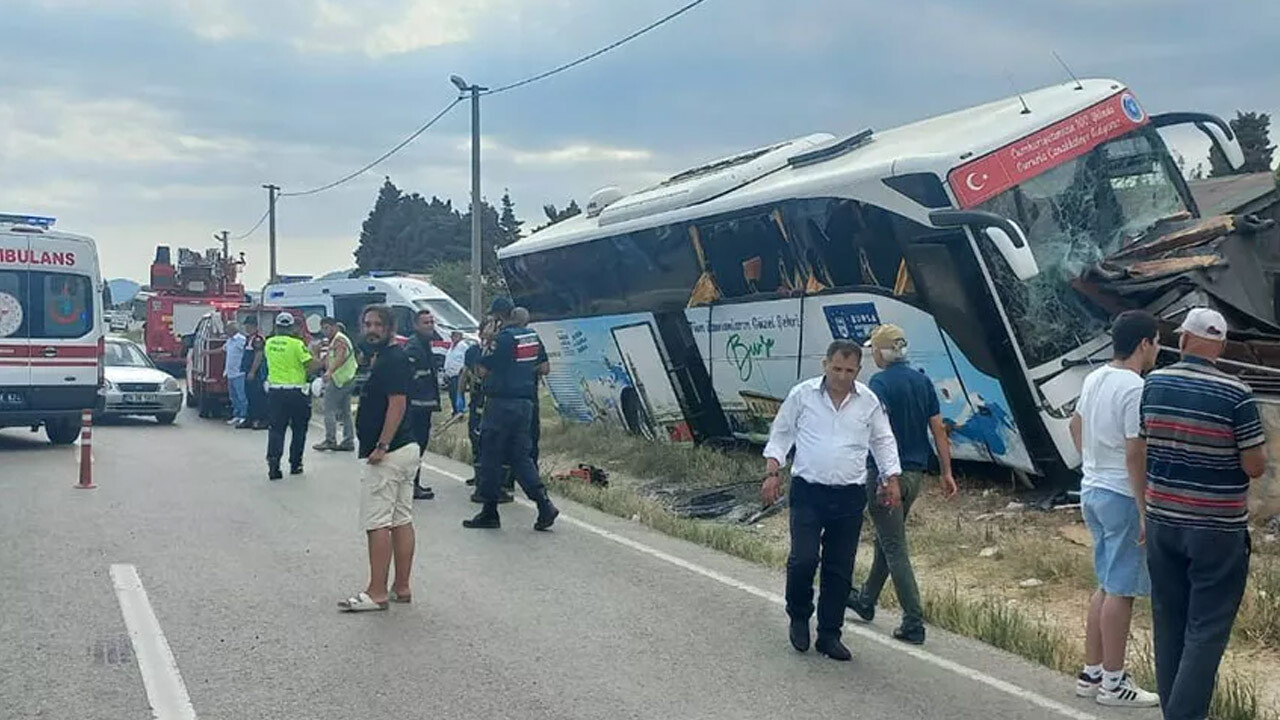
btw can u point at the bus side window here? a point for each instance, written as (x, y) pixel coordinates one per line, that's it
(748, 254)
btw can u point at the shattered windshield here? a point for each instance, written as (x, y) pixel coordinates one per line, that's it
(1075, 215)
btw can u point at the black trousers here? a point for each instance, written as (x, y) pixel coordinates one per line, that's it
(287, 409)
(420, 425)
(1197, 582)
(474, 416)
(825, 524)
(506, 438)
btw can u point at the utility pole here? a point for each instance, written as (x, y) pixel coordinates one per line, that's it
(272, 192)
(225, 238)
(476, 270)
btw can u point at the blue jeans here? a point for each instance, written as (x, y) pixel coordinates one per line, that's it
(239, 397)
(456, 395)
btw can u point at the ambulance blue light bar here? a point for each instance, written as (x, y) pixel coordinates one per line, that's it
(32, 220)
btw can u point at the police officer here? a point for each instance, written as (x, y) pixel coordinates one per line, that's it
(510, 373)
(288, 402)
(424, 389)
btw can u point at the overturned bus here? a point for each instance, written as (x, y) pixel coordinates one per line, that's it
(1002, 238)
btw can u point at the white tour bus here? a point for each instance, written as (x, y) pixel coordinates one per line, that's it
(51, 337)
(689, 309)
(344, 297)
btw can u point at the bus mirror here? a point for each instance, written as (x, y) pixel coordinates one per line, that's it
(1016, 252)
(1004, 233)
(1218, 131)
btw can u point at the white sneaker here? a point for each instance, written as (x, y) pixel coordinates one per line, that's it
(1087, 686)
(1127, 694)
(233, 421)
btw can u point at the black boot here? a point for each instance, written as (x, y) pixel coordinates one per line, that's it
(295, 468)
(273, 472)
(547, 514)
(486, 519)
(421, 492)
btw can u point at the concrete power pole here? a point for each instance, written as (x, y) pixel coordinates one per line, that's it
(225, 238)
(477, 277)
(272, 192)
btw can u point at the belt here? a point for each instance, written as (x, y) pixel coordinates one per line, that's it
(286, 387)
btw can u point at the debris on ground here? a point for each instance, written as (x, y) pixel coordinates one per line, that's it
(989, 552)
(1031, 583)
(1077, 534)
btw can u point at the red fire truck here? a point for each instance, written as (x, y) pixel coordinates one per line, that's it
(183, 293)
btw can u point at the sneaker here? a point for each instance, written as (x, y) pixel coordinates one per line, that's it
(324, 445)
(347, 446)
(274, 474)
(1087, 685)
(1127, 694)
(233, 421)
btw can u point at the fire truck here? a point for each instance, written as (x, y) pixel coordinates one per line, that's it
(184, 292)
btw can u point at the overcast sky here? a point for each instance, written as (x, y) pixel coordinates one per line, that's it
(145, 122)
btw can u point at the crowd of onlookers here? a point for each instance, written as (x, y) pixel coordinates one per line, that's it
(1168, 459)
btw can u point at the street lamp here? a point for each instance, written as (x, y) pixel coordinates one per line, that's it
(474, 92)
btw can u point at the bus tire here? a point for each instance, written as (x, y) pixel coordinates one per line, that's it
(62, 431)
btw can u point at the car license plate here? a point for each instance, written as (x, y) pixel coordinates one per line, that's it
(10, 399)
(139, 398)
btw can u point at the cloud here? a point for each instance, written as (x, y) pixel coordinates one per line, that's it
(573, 153)
(42, 126)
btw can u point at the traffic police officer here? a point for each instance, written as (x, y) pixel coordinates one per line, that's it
(288, 402)
(510, 373)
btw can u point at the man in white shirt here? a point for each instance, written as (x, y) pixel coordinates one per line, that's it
(1106, 430)
(234, 373)
(831, 421)
(454, 363)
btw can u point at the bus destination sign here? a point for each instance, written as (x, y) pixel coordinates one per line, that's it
(980, 180)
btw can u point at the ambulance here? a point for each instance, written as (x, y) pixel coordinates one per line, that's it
(51, 334)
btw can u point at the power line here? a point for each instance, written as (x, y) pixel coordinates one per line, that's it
(586, 58)
(253, 229)
(403, 143)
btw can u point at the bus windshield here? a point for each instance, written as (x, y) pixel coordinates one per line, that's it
(1075, 215)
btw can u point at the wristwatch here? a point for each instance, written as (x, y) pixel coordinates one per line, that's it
(384, 447)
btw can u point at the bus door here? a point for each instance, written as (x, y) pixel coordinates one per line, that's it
(976, 408)
(650, 407)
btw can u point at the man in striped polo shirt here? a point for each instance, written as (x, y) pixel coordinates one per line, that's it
(1204, 444)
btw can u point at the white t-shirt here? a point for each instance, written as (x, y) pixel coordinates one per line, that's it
(1109, 408)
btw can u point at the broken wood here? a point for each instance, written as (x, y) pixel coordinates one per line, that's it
(1208, 230)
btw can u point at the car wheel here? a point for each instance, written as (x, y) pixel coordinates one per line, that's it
(166, 418)
(62, 431)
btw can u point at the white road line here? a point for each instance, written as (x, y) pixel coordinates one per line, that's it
(165, 690)
(922, 655)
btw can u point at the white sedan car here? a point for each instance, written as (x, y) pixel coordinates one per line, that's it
(134, 386)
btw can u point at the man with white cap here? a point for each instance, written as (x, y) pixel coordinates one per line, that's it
(1204, 443)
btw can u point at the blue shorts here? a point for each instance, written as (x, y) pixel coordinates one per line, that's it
(1119, 561)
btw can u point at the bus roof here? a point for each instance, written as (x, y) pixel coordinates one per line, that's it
(936, 145)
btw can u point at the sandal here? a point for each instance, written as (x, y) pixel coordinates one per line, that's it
(361, 602)
(398, 598)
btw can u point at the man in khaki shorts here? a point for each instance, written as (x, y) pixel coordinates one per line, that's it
(390, 460)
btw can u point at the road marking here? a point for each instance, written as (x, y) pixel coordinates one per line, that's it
(165, 690)
(883, 640)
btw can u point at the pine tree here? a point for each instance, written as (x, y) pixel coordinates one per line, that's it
(507, 221)
(1252, 132)
(372, 252)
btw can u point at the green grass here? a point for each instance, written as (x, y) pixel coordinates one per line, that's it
(1002, 625)
(1259, 618)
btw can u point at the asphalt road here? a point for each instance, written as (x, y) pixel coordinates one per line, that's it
(601, 618)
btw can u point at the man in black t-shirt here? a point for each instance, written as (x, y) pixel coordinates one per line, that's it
(391, 458)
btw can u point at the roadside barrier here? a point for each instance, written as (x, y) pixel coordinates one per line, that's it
(86, 451)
